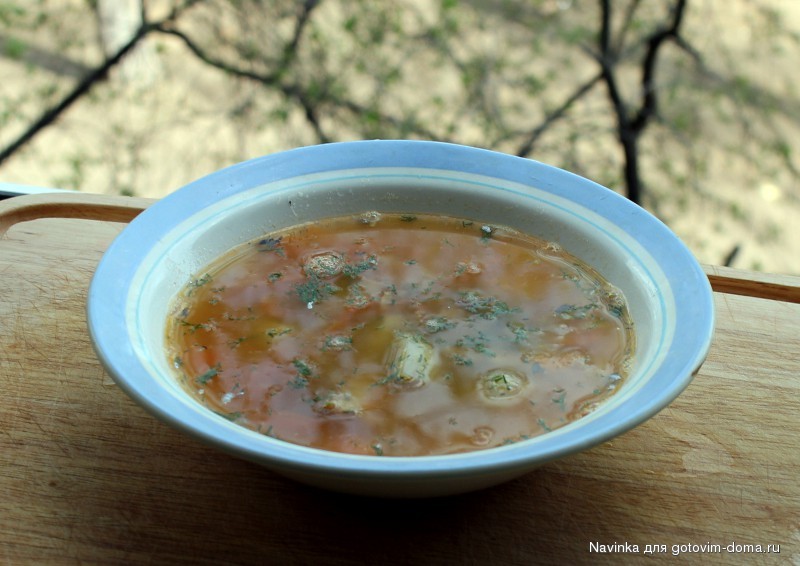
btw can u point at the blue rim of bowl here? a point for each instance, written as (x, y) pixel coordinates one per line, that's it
(106, 309)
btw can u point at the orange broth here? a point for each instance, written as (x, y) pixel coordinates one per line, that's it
(400, 335)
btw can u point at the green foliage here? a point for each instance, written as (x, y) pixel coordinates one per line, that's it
(15, 48)
(10, 12)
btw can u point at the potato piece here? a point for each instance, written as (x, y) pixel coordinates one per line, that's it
(410, 361)
(500, 384)
(337, 403)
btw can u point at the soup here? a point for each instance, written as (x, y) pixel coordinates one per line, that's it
(400, 335)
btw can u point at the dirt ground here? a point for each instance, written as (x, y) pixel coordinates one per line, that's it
(179, 124)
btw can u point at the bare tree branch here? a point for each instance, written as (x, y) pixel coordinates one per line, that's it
(290, 51)
(527, 146)
(85, 85)
(626, 25)
(607, 59)
(630, 128)
(271, 79)
(654, 44)
(308, 102)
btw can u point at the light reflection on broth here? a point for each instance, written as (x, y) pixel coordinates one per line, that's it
(400, 335)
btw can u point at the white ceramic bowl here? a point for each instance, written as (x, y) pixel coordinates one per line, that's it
(161, 250)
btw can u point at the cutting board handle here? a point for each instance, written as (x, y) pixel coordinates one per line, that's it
(772, 286)
(69, 205)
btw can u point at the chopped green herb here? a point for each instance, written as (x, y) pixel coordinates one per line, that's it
(519, 331)
(560, 400)
(304, 372)
(544, 425)
(477, 343)
(298, 382)
(389, 293)
(428, 287)
(461, 360)
(280, 331)
(392, 377)
(210, 374)
(229, 316)
(272, 277)
(407, 218)
(353, 270)
(314, 290)
(270, 245)
(202, 281)
(486, 307)
(194, 327)
(302, 367)
(378, 449)
(438, 324)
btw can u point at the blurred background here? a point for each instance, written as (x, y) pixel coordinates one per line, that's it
(689, 107)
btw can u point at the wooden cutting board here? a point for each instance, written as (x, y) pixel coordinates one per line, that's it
(86, 476)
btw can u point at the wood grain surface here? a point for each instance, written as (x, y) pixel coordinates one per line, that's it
(87, 477)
